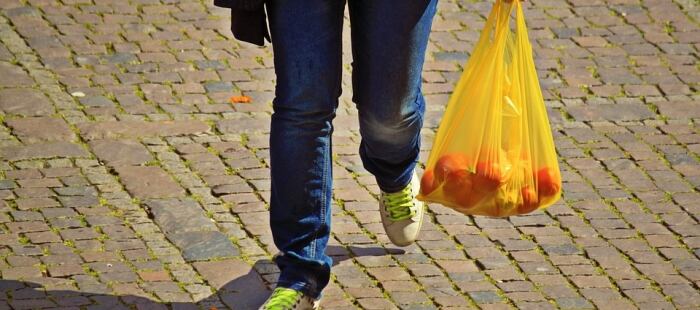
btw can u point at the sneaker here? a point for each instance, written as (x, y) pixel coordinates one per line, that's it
(402, 213)
(289, 299)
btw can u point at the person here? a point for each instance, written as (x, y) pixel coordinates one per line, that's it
(389, 40)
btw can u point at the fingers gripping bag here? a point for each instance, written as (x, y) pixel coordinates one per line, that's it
(494, 152)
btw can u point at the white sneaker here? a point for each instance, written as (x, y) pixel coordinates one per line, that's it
(402, 214)
(289, 299)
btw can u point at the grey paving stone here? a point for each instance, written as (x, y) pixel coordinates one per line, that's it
(214, 87)
(121, 58)
(179, 215)
(561, 249)
(573, 303)
(7, 184)
(23, 11)
(610, 112)
(203, 245)
(485, 297)
(137, 129)
(96, 101)
(209, 64)
(76, 191)
(244, 125)
(79, 201)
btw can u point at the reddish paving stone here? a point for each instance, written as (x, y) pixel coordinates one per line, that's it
(21, 261)
(592, 41)
(134, 129)
(241, 285)
(679, 109)
(401, 286)
(375, 303)
(12, 75)
(36, 129)
(93, 256)
(31, 304)
(18, 273)
(25, 101)
(120, 152)
(389, 274)
(79, 234)
(120, 277)
(23, 227)
(149, 182)
(8, 239)
(220, 273)
(42, 150)
(43, 237)
(364, 292)
(60, 271)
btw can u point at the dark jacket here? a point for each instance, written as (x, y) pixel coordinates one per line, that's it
(248, 20)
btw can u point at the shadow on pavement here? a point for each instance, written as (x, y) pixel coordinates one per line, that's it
(247, 291)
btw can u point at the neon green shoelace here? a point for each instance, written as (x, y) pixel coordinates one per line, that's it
(400, 204)
(282, 299)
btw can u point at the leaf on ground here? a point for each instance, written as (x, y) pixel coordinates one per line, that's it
(240, 99)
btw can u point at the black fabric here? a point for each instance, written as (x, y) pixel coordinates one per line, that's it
(248, 20)
(248, 5)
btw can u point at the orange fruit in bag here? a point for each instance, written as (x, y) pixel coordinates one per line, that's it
(548, 182)
(489, 176)
(459, 187)
(530, 201)
(466, 200)
(449, 164)
(427, 182)
(458, 181)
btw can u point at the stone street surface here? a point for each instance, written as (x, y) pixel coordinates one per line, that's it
(128, 179)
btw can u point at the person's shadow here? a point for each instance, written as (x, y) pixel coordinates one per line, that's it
(248, 291)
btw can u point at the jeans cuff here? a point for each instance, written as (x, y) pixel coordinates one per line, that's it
(303, 287)
(394, 190)
(397, 188)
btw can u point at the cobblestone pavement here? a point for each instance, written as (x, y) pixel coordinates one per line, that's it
(127, 179)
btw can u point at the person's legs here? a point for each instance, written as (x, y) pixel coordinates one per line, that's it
(389, 39)
(306, 40)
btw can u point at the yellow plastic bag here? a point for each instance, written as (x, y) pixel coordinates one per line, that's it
(494, 153)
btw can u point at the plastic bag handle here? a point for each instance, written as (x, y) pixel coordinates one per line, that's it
(495, 28)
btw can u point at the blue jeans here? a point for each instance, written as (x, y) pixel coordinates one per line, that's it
(389, 39)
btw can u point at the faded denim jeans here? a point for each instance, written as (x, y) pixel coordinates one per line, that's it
(389, 39)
